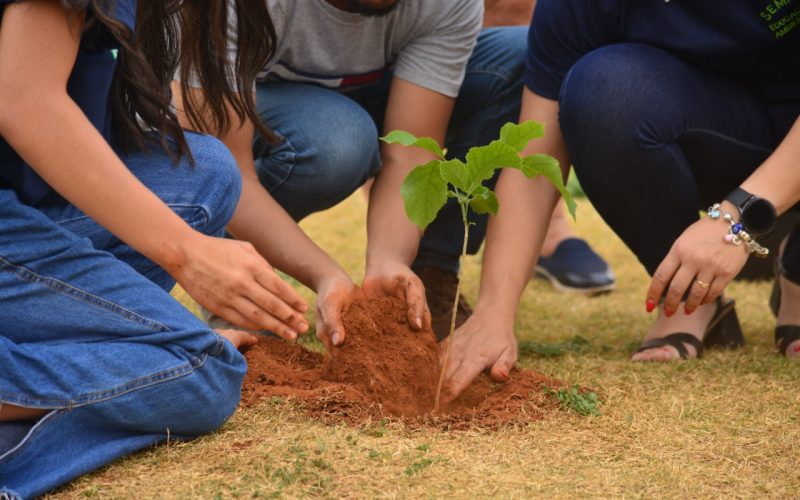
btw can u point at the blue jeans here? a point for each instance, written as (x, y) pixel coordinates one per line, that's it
(330, 139)
(89, 331)
(654, 139)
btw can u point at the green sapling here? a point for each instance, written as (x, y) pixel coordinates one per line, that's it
(427, 187)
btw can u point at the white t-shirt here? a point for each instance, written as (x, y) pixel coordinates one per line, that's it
(425, 42)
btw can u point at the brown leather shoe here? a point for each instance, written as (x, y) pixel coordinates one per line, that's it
(440, 289)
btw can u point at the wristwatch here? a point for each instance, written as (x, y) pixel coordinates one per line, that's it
(757, 215)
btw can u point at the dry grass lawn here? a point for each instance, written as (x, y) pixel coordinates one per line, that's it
(727, 425)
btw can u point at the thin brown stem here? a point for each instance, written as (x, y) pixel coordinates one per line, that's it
(449, 346)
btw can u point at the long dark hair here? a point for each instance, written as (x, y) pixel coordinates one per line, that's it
(192, 34)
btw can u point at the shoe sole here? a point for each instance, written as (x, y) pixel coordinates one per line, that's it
(542, 273)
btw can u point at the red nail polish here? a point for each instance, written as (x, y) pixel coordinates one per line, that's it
(650, 304)
(796, 348)
(668, 313)
(687, 311)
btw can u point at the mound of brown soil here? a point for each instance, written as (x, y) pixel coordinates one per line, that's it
(385, 370)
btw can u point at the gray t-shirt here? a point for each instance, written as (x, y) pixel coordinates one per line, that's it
(425, 42)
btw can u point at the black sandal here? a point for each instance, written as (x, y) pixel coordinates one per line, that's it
(784, 334)
(723, 331)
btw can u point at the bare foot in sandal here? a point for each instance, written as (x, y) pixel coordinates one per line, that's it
(694, 324)
(683, 336)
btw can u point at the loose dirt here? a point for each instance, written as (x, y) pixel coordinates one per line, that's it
(386, 370)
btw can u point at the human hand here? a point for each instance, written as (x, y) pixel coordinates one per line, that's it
(398, 280)
(483, 342)
(232, 280)
(334, 296)
(700, 261)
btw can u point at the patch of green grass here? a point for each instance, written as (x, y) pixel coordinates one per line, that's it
(374, 454)
(376, 430)
(418, 466)
(302, 470)
(576, 344)
(573, 398)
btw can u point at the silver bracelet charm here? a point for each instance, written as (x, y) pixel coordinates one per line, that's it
(736, 233)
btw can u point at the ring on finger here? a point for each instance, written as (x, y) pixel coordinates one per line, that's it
(703, 284)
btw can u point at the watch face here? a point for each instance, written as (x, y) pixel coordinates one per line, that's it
(759, 216)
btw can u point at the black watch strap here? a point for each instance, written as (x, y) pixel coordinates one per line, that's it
(757, 215)
(739, 197)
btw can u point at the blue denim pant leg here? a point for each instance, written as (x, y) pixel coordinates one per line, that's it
(655, 139)
(204, 195)
(330, 144)
(120, 362)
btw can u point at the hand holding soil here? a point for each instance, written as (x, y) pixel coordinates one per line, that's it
(334, 297)
(398, 280)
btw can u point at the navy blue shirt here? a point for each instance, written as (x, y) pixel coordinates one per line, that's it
(89, 86)
(753, 41)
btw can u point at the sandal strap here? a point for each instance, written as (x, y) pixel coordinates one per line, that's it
(785, 335)
(676, 340)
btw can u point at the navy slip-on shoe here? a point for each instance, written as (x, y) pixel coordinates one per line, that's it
(575, 267)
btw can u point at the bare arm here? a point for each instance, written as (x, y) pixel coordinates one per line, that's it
(513, 241)
(38, 46)
(392, 238)
(778, 178)
(262, 222)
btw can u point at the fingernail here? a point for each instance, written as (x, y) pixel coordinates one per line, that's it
(291, 334)
(650, 304)
(668, 313)
(335, 338)
(687, 311)
(303, 326)
(418, 321)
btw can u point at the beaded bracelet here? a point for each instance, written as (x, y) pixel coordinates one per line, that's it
(736, 233)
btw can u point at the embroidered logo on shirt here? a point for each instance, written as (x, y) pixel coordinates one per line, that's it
(781, 18)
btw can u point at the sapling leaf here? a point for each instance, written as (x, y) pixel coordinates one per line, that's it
(540, 164)
(409, 139)
(536, 164)
(484, 201)
(518, 136)
(484, 160)
(455, 172)
(424, 193)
